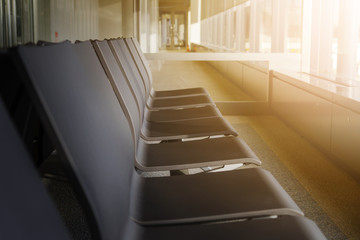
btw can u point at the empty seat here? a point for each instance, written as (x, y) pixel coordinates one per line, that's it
(26, 210)
(172, 155)
(28, 213)
(285, 227)
(22, 111)
(137, 81)
(132, 43)
(153, 131)
(167, 115)
(94, 139)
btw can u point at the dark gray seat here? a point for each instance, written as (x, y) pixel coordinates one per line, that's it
(180, 155)
(131, 61)
(94, 139)
(136, 79)
(285, 227)
(115, 63)
(209, 197)
(28, 213)
(174, 102)
(147, 76)
(179, 102)
(181, 114)
(22, 112)
(26, 210)
(167, 115)
(170, 155)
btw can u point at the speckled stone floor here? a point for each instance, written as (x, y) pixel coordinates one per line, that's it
(326, 194)
(321, 182)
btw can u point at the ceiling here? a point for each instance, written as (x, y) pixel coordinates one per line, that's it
(164, 5)
(176, 5)
(104, 3)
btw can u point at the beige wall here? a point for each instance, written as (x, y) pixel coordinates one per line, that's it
(212, 7)
(194, 9)
(320, 116)
(252, 78)
(110, 19)
(128, 18)
(116, 18)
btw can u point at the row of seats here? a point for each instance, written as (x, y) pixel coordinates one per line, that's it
(177, 121)
(95, 101)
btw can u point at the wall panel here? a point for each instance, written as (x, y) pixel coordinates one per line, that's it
(310, 115)
(255, 83)
(346, 137)
(252, 80)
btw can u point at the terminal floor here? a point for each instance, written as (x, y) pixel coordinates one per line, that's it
(184, 74)
(326, 193)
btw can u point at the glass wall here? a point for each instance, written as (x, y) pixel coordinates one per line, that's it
(17, 25)
(325, 32)
(253, 26)
(25, 21)
(332, 44)
(148, 19)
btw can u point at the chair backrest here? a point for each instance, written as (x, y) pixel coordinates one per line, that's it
(27, 211)
(143, 59)
(22, 112)
(88, 128)
(134, 68)
(123, 91)
(9, 87)
(126, 54)
(139, 63)
(131, 73)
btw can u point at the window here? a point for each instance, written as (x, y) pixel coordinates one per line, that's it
(254, 26)
(332, 49)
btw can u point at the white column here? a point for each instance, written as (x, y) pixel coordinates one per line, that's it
(255, 24)
(240, 29)
(216, 31)
(153, 29)
(279, 11)
(127, 9)
(142, 26)
(306, 36)
(321, 38)
(222, 30)
(195, 22)
(228, 31)
(348, 39)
